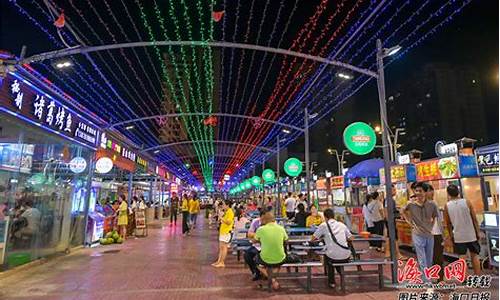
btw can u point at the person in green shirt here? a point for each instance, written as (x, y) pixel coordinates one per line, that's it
(272, 238)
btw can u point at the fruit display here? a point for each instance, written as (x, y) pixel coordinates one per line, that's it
(111, 237)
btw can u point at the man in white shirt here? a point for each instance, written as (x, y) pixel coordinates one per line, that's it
(336, 236)
(290, 206)
(301, 200)
(462, 226)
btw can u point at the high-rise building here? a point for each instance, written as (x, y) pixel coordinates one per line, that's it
(439, 102)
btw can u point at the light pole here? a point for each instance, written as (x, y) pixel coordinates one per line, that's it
(381, 53)
(306, 154)
(278, 191)
(340, 158)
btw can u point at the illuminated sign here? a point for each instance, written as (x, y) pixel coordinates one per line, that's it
(337, 182)
(487, 162)
(293, 167)
(22, 99)
(404, 159)
(77, 165)
(443, 168)
(443, 149)
(360, 138)
(268, 175)
(103, 165)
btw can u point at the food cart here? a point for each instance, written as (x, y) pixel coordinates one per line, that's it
(487, 164)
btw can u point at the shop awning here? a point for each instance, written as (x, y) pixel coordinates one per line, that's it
(366, 168)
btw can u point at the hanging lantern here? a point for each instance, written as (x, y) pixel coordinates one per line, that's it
(59, 23)
(217, 15)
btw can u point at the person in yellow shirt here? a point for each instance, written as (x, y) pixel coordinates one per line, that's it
(314, 218)
(194, 209)
(226, 227)
(185, 215)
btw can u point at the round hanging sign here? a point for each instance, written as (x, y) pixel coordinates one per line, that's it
(248, 184)
(103, 165)
(268, 175)
(78, 165)
(293, 167)
(255, 180)
(360, 138)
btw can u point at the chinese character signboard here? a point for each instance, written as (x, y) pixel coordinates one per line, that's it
(443, 168)
(20, 98)
(337, 182)
(487, 160)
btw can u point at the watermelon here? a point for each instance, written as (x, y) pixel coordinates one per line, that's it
(109, 234)
(110, 240)
(115, 236)
(119, 240)
(103, 241)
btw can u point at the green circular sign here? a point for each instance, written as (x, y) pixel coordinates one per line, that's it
(255, 180)
(268, 175)
(293, 167)
(248, 184)
(360, 138)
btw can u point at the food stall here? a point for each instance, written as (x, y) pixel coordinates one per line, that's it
(440, 172)
(322, 192)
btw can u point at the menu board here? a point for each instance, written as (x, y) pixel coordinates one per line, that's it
(436, 169)
(23, 100)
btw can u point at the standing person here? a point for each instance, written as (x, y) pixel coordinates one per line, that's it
(226, 226)
(194, 209)
(301, 200)
(252, 252)
(272, 238)
(462, 226)
(185, 215)
(174, 208)
(437, 232)
(368, 221)
(290, 206)
(421, 215)
(336, 236)
(122, 216)
(376, 211)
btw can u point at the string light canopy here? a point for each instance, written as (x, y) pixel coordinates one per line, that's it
(124, 84)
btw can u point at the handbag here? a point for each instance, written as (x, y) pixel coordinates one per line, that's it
(349, 244)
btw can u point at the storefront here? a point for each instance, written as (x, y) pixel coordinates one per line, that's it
(46, 153)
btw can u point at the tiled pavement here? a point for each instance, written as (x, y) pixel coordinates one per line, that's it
(163, 265)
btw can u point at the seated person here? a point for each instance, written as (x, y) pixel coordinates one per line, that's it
(336, 235)
(32, 217)
(271, 237)
(240, 223)
(315, 218)
(252, 252)
(300, 216)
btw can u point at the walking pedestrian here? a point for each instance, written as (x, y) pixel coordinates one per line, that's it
(194, 209)
(185, 215)
(462, 226)
(421, 215)
(174, 208)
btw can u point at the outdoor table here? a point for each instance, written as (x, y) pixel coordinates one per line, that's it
(308, 247)
(373, 237)
(306, 230)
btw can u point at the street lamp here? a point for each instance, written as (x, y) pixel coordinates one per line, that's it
(381, 54)
(340, 158)
(63, 64)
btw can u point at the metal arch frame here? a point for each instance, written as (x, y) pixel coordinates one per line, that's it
(194, 156)
(111, 126)
(86, 49)
(206, 141)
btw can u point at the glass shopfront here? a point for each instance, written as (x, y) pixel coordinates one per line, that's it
(43, 189)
